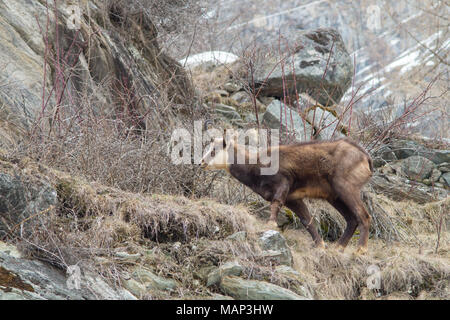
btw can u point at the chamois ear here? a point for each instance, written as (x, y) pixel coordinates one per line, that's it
(225, 135)
(229, 137)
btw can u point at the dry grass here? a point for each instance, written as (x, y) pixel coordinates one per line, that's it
(336, 275)
(182, 239)
(110, 215)
(135, 202)
(410, 267)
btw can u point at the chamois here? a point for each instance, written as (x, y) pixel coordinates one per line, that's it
(331, 170)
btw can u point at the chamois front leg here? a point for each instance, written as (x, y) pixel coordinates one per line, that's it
(274, 209)
(278, 201)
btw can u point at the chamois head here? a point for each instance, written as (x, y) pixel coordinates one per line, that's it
(219, 154)
(216, 157)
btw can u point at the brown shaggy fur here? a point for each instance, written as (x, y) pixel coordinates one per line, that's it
(331, 170)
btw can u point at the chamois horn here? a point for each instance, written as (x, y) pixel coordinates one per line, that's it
(208, 124)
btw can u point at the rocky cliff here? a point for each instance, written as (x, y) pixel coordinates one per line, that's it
(91, 206)
(110, 59)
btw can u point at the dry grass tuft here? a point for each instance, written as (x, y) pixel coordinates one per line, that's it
(336, 275)
(160, 218)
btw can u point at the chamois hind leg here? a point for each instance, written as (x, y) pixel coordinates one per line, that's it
(350, 195)
(364, 228)
(350, 219)
(299, 207)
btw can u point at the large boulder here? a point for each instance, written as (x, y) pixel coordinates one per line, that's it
(417, 167)
(406, 148)
(273, 241)
(256, 290)
(25, 279)
(292, 125)
(322, 68)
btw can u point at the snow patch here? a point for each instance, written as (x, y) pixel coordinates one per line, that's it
(406, 61)
(209, 57)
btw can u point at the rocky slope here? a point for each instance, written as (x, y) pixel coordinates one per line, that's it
(64, 236)
(129, 246)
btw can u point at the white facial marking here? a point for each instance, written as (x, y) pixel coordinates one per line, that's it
(216, 157)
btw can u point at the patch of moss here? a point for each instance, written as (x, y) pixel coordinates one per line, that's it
(289, 213)
(11, 280)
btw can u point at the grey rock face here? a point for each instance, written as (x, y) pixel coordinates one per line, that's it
(399, 188)
(256, 290)
(272, 240)
(405, 148)
(279, 115)
(227, 269)
(24, 74)
(21, 56)
(315, 48)
(417, 167)
(20, 197)
(26, 279)
(445, 179)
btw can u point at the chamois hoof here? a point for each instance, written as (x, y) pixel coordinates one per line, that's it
(320, 245)
(271, 225)
(361, 251)
(339, 247)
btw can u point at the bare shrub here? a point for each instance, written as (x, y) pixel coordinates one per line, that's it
(107, 129)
